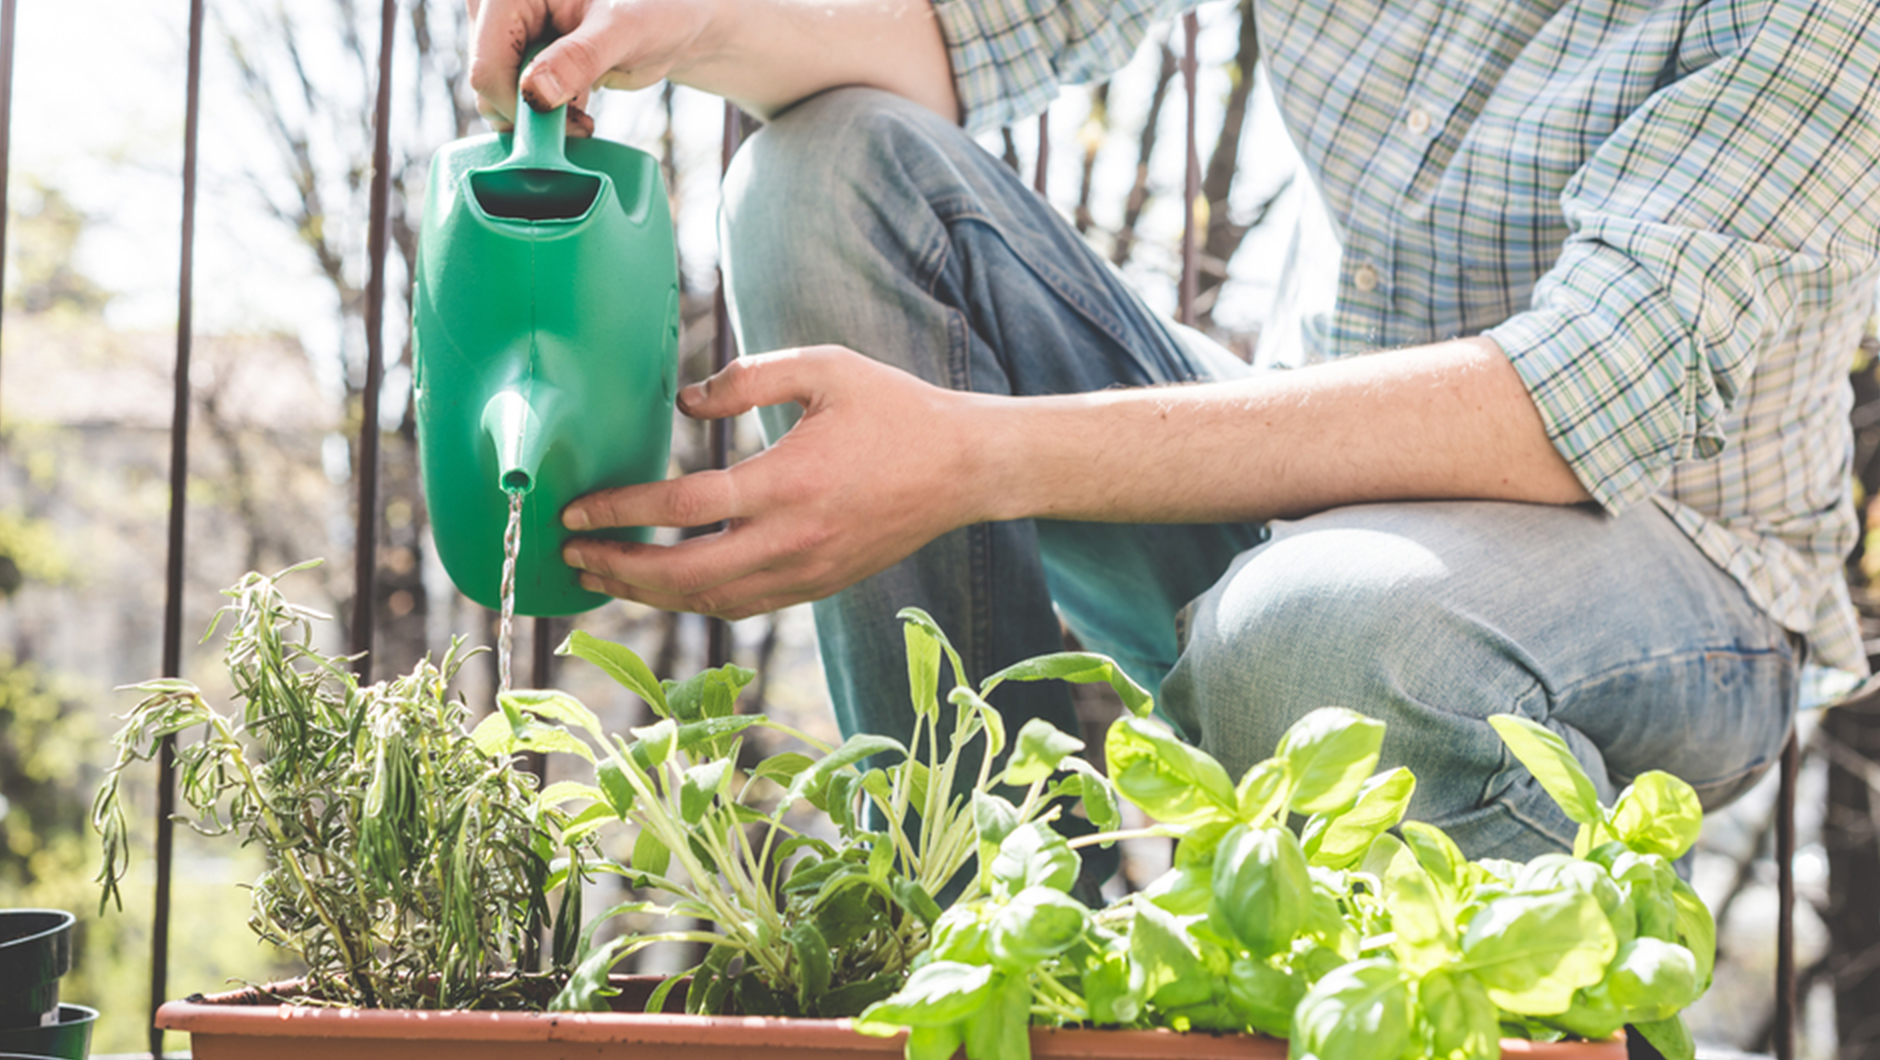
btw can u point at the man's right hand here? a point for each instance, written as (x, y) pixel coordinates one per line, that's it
(606, 43)
(762, 55)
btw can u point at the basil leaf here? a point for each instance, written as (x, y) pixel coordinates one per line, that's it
(1547, 756)
(1034, 855)
(1360, 1011)
(1037, 924)
(1162, 956)
(1696, 929)
(936, 994)
(812, 961)
(1658, 814)
(1670, 1037)
(1533, 951)
(1040, 747)
(1002, 1026)
(1423, 923)
(1340, 841)
(1651, 980)
(1262, 791)
(1262, 996)
(1171, 781)
(1329, 752)
(1261, 887)
(1461, 1020)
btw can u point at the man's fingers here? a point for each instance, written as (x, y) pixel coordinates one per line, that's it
(753, 595)
(502, 33)
(762, 379)
(698, 499)
(570, 66)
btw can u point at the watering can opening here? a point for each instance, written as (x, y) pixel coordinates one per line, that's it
(517, 482)
(535, 194)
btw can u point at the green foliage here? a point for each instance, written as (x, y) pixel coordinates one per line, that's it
(406, 867)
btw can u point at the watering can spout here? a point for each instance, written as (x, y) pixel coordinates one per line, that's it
(522, 427)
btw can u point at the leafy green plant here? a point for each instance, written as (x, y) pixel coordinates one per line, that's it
(406, 867)
(800, 924)
(1361, 936)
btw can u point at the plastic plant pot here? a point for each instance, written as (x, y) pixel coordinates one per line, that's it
(35, 950)
(67, 1039)
(246, 1025)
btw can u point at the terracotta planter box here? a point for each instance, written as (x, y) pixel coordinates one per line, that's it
(239, 1026)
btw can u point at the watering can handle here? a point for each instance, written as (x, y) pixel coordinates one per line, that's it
(541, 140)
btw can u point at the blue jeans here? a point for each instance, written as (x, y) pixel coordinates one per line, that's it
(861, 219)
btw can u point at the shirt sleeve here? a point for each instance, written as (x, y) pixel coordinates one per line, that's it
(1010, 57)
(1690, 231)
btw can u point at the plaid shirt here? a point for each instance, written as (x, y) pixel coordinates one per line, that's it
(1667, 214)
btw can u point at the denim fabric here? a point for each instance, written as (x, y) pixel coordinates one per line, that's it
(860, 219)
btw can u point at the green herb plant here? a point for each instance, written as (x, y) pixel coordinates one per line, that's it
(1362, 936)
(798, 924)
(406, 867)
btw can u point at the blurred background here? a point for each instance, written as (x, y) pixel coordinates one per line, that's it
(86, 354)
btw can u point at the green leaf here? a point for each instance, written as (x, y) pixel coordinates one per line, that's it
(1002, 1027)
(1037, 924)
(493, 736)
(653, 744)
(914, 898)
(1171, 781)
(853, 750)
(938, 993)
(1093, 790)
(1360, 1011)
(1696, 929)
(1438, 854)
(1651, 980)
(1658, 814)
(649, 854)
(782, 768)
(709, 736)
(567, 791)
(1263, 996)
(1183, 891)
(1461, 1020)
(812, 963)
(1670, 1037)
(1533, 951)
(1423, 923)
(707, 694)
(851, 999)
(1329, 752)
(615, 785)
(1162, 955)
(551, 705)
(1263, 791)
(966, 701)
(923, 667)
(1078, 667)
(1261, 887)
(915, 616)
(699, 785)
(586, 823)
(619, 663)
(1546, 756)
(1040, 747)
(587, 989)
(1034, 855)
(1340, 841)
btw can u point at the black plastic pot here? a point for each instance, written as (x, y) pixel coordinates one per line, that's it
(35, 950)
(67, 1039)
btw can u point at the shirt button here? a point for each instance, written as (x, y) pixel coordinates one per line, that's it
(1364, 278)
(1418, 120)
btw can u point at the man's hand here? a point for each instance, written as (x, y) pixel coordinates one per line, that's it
(880, 464)
(761, 54)
(627, 45)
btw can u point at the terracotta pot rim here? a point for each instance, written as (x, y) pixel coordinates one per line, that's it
(224, 1015)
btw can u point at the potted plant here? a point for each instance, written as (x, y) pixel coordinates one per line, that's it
(1361, 935)
(35, 952)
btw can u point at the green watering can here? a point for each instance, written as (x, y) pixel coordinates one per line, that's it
(545, 335)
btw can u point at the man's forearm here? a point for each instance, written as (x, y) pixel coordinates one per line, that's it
(1445, 421)
(767, 54)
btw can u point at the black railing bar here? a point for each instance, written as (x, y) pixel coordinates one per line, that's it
(179, 496)
(724, 349)
(6, 124)
(1191, 178)
(1041, 173)
(366, 537)
(1786, 1001)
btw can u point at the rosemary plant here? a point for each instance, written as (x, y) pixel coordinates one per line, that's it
(405, 867)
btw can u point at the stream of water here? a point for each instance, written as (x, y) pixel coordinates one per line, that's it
(505, 632)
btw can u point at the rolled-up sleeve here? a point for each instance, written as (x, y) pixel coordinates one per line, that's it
(1739, 189)
(1010, 57)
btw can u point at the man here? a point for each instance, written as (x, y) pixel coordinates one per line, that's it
(1617, 503)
